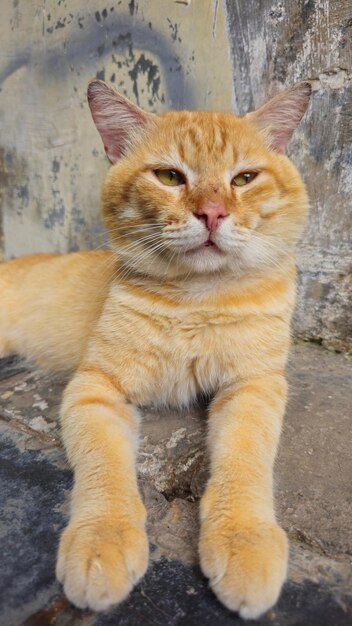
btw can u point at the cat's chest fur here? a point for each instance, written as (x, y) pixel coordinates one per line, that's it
(165, 354)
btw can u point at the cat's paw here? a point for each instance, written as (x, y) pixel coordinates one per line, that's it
(99, 562)
(246, 566)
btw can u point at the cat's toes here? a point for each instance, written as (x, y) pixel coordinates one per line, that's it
(99, 563)
(246, 566)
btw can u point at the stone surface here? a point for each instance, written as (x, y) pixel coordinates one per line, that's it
(314, 469)
(313, 500)
(214, 54)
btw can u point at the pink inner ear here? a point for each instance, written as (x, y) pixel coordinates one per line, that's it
(116, 118)
(114, 142)
(279, 135)
(282, 114)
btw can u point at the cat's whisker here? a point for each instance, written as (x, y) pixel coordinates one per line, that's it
(128, 232)
(134, 264)
(150, 251)
(114, 258)
(128, 228)
(140, 241)
(173, 254)
(134, 245)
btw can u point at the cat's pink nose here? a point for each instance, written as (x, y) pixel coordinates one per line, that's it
(212, 211)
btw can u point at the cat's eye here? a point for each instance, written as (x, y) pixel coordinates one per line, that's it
(243, 178)
(172, 178)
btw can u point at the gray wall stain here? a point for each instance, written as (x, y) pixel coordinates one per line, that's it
(97, 38)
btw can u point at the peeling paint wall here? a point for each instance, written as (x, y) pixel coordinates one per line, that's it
(215, 54)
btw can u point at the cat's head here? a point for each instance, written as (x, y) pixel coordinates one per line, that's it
(197, 192)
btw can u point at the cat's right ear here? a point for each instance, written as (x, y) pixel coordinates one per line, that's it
(116, 118)
(279, 117)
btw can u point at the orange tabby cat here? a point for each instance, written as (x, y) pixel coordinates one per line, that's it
(204, 212)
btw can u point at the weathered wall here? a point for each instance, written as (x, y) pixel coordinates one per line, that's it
(277, 43)
(171, 54)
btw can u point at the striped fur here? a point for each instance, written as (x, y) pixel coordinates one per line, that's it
(161, 318)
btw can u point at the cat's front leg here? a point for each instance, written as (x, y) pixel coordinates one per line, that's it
(104, 550)
(243, 551)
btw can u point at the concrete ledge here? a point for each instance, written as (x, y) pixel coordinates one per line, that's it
(313, 494)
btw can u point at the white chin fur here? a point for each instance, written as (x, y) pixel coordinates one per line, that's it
(208, 259)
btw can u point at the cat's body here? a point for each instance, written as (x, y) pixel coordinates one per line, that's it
(186, 339)
(198, 300)
(49, 304)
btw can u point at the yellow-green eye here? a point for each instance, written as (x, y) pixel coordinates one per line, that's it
(243, 179)
(170, 177)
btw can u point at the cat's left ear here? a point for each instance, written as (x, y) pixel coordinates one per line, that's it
(279, 117)
(118, 121)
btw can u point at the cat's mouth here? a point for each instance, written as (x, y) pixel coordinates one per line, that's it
(206, 244)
